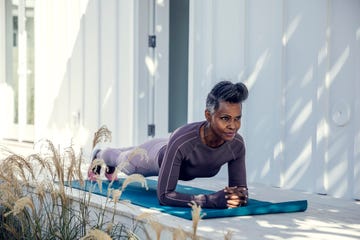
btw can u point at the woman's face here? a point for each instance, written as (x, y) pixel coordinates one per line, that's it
(225, 121)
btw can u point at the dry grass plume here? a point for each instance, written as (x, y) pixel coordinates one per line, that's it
(35, 202)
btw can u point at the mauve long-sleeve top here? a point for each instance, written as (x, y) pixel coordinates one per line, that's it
(186, 157)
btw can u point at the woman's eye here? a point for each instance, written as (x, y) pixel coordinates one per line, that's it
(225, 119)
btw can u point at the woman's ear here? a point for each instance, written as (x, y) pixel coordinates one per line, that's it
(207, 115)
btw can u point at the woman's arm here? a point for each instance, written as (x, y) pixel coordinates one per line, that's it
(237, 192)
(169, 176)
(236, 167)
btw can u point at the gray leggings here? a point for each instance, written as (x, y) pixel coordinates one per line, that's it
(142, 159)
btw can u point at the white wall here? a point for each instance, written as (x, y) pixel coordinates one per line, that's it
(300, 61)
(95, 53)
(84, 70)
(342, 165)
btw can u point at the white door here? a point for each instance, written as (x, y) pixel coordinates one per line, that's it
(166, 64)
(151, 69)
(19, 78)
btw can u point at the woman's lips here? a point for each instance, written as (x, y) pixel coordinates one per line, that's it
(230, 135)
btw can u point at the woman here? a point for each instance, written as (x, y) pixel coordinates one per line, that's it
(194, 150)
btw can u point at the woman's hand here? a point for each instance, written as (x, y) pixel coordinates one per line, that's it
(236, 196)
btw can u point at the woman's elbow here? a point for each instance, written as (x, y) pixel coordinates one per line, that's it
(163, 200)
(167, 199)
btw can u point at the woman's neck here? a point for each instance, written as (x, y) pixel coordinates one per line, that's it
(209, 138)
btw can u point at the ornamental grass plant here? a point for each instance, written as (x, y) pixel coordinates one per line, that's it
(35, 202)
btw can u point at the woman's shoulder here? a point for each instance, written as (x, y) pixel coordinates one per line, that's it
(238, 142)
(187, 131)
(188, 128)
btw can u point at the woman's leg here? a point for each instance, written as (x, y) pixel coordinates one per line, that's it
(142, 159)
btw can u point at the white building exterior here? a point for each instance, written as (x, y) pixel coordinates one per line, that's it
(92, 66)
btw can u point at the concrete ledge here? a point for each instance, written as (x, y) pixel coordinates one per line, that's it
(325, 218)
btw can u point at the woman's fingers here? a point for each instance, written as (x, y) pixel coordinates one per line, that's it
(232, 196)
(233, 203)
(239, 191)
(237, 196)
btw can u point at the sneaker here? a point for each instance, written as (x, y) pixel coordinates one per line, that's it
(92, 176)
(110, 174)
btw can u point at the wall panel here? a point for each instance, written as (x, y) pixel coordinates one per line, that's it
(125, 72)
(201, 47)
(91, 106)
(300, 63)
(52, 52)
(228, 39)
(108, 64)
(303, 40)
(342, 82)
(76, 67)
(263, 113)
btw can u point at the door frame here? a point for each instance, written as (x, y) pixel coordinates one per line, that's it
(21, 131)
(151, 98)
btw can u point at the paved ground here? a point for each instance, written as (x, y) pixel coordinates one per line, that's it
(325, 218)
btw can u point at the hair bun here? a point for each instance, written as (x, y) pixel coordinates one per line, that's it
(242, 89)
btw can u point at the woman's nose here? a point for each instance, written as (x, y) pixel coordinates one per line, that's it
(232, 125)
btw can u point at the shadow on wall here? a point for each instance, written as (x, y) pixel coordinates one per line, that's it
(75, 86)
(86, 88)
(300, 126)
(62, 122)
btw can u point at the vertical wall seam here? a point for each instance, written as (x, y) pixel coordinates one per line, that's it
(244, 76)
(245, 42)
(131, 53)
(100, 63)
(83, 42)
(356, 154)
(135, 70)
(212, 42)
(117, 72)
(327, 95)
(245, 57)
(213, 60)
(69, 59)
(191, 61)
(322, 105)
(283, 97)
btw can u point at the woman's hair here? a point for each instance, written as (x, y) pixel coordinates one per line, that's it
(228, 92)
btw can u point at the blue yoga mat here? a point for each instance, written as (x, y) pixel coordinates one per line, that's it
(147, 198)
